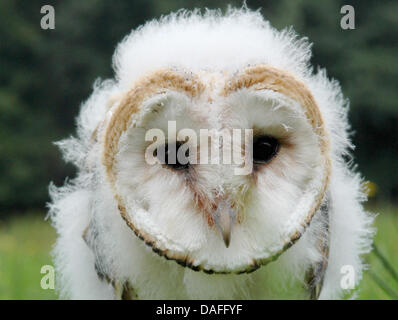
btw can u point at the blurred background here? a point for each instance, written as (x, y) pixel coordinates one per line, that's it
(46, 74)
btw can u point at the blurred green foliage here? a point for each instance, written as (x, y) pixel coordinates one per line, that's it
(46, 74)
(386, 241)
(25, 243)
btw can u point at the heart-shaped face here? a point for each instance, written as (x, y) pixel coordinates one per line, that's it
(213, 214)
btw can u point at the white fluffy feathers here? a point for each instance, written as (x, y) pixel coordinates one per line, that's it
(209, 42)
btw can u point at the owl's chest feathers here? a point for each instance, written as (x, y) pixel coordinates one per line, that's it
(146, 275)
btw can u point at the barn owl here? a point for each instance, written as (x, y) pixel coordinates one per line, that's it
(291, 227)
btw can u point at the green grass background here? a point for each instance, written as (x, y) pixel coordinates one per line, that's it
(26, 242)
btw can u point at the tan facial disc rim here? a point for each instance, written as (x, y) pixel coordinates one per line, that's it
(260, 77)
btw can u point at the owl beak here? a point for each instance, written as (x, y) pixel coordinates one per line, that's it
(224, 218)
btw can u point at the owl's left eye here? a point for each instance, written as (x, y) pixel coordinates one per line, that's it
(169, 155)
(264, 149)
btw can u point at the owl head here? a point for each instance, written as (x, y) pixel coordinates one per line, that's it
(190, 73)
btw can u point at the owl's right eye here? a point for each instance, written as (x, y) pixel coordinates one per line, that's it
(167, 154)
(264, 149)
